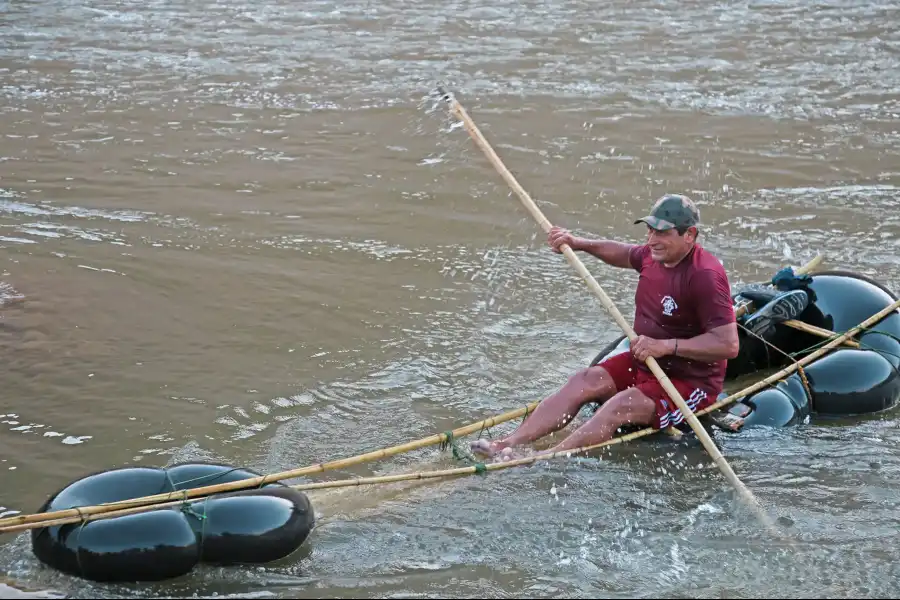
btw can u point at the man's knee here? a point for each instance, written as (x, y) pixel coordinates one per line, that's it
(594, 381)
(632, 405)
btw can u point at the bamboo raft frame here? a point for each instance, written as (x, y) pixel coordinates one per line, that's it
(159, 501)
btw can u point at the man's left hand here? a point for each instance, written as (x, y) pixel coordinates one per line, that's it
(644, 347)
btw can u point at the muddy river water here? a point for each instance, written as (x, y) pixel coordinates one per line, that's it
(245, 232)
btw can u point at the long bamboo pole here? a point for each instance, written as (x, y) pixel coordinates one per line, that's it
(665, 382)
(263, 479)
(59, 519)
(338, 483)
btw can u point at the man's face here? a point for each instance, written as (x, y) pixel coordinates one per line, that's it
(668, 246)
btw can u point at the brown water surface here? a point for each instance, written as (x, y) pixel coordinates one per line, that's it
(244, 232)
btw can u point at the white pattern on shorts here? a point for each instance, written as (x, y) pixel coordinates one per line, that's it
(674, 416)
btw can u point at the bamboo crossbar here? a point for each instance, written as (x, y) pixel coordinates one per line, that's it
(817, 331)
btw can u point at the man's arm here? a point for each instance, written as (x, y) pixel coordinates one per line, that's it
(609, 251)
(712, 297)
(720, 343)
(617, 254)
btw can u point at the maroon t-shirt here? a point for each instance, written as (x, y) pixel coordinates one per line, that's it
(682, 302)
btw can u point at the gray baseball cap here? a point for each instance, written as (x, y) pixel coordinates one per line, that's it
(672, 211)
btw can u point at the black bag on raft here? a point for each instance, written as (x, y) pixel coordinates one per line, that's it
(256, 525)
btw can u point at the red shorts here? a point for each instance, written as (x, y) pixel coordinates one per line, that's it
(623, 368)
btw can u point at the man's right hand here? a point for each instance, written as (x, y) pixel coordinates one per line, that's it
(559, 236)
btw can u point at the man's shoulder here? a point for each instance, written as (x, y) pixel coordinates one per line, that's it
(704, 260)
(639, 256)
(708, 274)
(711, 290)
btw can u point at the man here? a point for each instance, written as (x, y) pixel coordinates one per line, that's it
(684, 318)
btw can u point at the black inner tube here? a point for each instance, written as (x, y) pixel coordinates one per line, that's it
(259, 524)
(860, 276)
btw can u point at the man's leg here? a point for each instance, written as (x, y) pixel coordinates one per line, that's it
(629, 407)
(593, 384)
(647, 403)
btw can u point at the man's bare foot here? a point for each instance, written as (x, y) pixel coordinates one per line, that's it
(487, 448)
(508, 454)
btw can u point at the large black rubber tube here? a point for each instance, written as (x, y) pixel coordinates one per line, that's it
(848, 381)
(249, 526)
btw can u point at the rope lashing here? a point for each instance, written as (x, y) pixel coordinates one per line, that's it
(81, 527)
(447, 441)
(803, 380)
(450, 442)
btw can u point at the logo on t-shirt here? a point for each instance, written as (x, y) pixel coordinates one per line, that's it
(668, 304)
